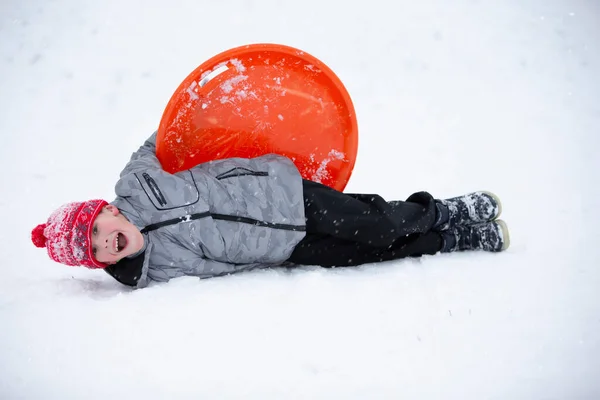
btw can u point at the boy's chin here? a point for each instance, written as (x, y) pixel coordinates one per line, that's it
(125, 253)
(132, 244)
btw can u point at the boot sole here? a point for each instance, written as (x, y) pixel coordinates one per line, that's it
(497, 200)
(505, 234)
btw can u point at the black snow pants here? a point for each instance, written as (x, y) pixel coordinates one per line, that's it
(351, 229)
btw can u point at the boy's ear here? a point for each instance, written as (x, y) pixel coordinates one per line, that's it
(112, 209)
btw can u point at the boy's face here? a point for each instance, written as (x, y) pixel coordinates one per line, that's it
(114, 237)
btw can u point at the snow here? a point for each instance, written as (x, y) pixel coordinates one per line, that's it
(239, 66)
(321, 173)
(228, 85)
(450, 97)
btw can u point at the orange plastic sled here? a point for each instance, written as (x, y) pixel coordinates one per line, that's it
(259, 99)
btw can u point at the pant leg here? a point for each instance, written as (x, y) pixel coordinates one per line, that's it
(353, 229)
(365, 218)
(329, 251)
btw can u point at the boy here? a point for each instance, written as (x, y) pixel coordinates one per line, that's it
(237, 214)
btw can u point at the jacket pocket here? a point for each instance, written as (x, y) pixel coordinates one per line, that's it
(240, 171)
(166, 191)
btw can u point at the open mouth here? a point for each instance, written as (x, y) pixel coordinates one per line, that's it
(120, 242)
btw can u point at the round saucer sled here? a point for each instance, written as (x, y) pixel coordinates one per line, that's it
(259, 99)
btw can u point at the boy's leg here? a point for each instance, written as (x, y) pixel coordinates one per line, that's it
(365, 218)
(329, 251)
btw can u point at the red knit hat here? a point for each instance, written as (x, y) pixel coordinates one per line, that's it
(68, 234)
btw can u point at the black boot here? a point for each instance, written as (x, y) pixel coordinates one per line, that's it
(469, 209)
(489, 236)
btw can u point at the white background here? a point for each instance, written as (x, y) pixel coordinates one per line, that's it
(451, 96)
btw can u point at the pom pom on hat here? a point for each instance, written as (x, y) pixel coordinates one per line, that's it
(67, 235)
(37, 235)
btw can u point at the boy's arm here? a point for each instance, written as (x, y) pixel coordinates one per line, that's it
(200, 267)
(130, 272)
(144, 158)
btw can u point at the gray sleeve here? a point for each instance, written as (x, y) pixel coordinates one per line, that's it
(200, 267)
(144, 158)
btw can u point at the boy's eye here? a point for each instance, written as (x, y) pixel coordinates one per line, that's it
(95, 231)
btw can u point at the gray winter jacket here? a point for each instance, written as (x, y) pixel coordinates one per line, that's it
(217, 218)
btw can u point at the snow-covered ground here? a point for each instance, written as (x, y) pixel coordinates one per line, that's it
(450, 96)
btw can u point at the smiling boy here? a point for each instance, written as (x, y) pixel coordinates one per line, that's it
(114, 237)
(237, 214)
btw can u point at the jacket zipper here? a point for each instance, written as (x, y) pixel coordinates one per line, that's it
(154, 187)
(223, 217)
(240, 171)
